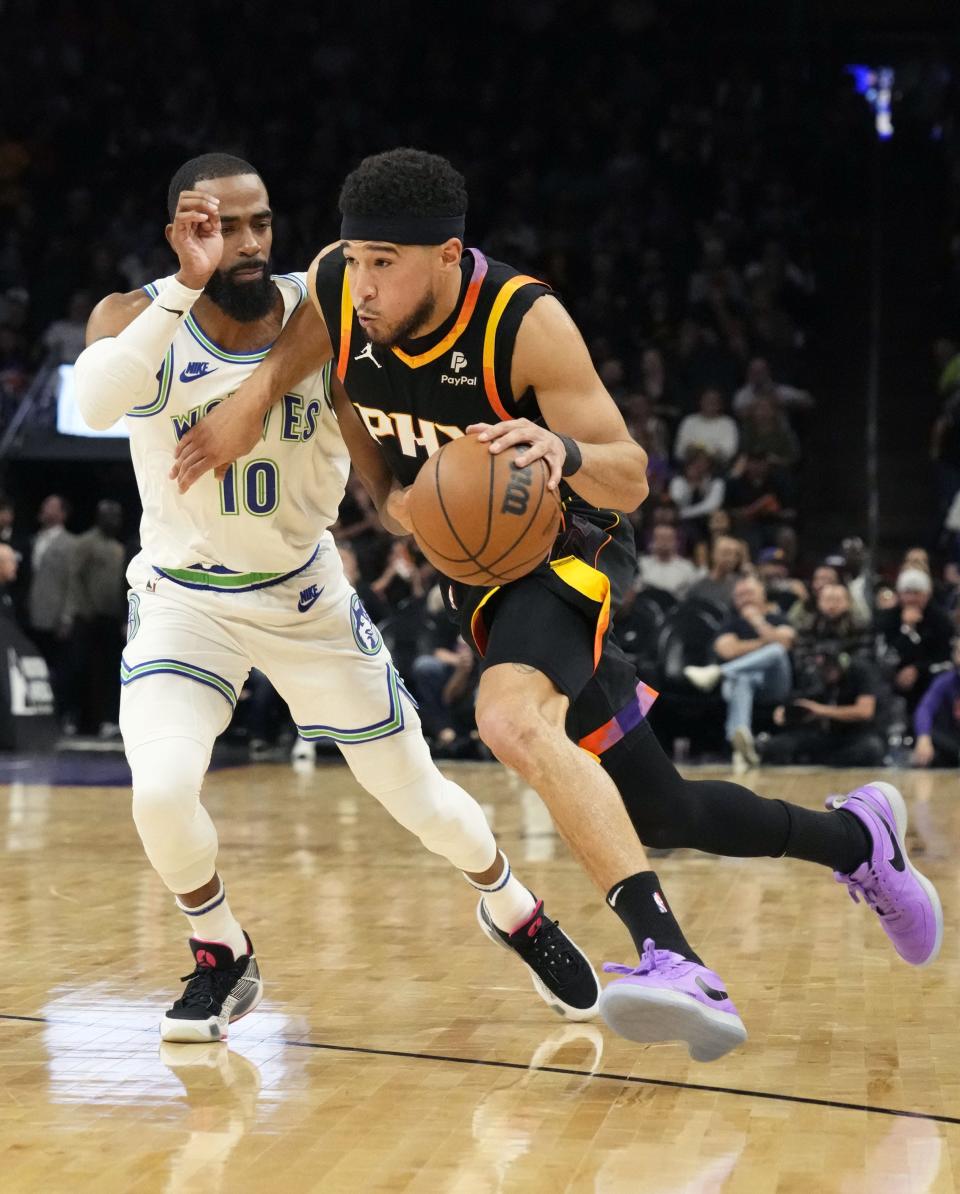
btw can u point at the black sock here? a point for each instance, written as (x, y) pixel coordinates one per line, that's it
(718, 817)
(640, 904)
(838, 840)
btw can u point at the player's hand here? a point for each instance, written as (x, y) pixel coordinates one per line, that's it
(539, 444)
(228, 432)
(196, 237)
(397, 506)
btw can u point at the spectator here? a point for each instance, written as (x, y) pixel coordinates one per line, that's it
(656, 385)
(856, 574)
(710, 430)
(936, 721)
(803, 611)
(51, 564)
(914, 635)
(835, 723)
(697, 494)
(8, 578)
(442, 679)
(765, 431)
(64, 339)
(755, 646)
(651, 433)
(10, 537)
(760, 502)
(760, 383)
(664, 568)
(726, 565)
(97, 607)
(781, 589)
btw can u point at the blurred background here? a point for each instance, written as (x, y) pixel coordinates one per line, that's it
(753, 213)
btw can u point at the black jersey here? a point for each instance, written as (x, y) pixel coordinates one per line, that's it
(415, 398)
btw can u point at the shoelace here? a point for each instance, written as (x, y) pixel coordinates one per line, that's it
(871, 888)
(205, 986)
(651, 959)
(548, 941)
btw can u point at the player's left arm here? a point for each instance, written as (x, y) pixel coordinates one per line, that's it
(586, 440)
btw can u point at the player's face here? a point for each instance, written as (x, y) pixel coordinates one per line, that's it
(394, 287)
(241, 284)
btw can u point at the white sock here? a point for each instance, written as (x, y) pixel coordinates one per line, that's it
(213, 921)
(509, 903)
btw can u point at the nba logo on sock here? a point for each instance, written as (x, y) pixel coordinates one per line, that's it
(660, 902)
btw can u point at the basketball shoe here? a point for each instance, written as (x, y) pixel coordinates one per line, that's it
(559, 969)
(669, 998)
(220, 990)
(905, 901)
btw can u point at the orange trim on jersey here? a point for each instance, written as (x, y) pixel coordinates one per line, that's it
(469, 303)
(507, 291)
(346, 327)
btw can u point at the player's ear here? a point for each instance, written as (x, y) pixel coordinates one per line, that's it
(168, 233)
(450, 252)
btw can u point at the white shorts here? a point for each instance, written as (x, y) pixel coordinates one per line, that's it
(309, 635)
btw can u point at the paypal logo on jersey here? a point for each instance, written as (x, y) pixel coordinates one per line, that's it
(197, 369)
(365, 632)
(308, 597)
(457, 362)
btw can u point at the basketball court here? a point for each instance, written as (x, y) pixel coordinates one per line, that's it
(397, 1050)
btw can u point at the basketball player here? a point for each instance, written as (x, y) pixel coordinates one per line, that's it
(432, 341)
(243, 572)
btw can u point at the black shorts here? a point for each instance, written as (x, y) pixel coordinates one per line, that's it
(557, 620)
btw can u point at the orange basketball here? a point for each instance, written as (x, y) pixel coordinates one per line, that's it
(478, 518)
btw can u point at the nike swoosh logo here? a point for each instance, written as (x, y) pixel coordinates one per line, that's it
(710, 993)
(186, 376)
(612, 898)
(897, 860)
(303, 606)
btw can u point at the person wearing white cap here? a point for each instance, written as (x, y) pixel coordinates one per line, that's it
(916, 633)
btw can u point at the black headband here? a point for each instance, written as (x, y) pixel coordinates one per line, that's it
(403, 230)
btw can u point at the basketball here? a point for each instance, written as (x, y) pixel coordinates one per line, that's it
(478, 518)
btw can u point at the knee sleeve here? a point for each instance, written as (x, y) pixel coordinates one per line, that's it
(177, 833)
(401, 775)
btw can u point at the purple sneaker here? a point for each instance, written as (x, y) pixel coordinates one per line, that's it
(906, 901)
(669, 998)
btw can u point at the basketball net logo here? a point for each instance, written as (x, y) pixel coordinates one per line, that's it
(458, 361)
(367, 355)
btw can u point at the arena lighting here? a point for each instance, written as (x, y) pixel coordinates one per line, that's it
(876, 84)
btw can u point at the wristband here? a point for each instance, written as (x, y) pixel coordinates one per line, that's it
(573, 458)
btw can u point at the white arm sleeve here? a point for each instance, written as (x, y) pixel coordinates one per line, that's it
(117, 373)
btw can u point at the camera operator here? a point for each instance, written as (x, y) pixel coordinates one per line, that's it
(834, 722)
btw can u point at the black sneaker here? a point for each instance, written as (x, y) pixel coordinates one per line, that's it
(220, 990)
(561, 972)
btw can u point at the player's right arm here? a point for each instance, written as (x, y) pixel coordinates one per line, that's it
(128, 335)
(368, 460)
(231, 429)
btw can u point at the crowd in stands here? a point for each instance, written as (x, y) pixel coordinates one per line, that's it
(654, 197)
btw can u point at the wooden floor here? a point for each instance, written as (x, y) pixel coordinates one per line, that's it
(397, 1050)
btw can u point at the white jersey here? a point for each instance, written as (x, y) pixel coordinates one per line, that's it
(266, 519)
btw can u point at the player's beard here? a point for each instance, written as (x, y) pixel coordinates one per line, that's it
(246, 302)
(421, 314)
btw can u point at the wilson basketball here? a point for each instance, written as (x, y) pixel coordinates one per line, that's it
(478, 518)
